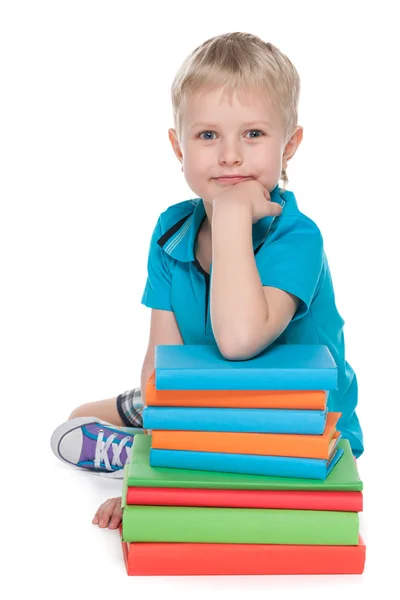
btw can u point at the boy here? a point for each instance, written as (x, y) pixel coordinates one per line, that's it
(239, 266)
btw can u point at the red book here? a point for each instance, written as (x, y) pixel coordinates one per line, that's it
(285, 499)
(242, 559)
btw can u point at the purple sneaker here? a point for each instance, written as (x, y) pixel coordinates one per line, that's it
(95, 445)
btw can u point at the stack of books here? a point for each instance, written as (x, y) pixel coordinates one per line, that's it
(244, 471)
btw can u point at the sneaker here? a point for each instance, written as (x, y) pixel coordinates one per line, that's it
(95, 445)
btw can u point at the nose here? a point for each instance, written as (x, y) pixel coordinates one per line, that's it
(230, 152)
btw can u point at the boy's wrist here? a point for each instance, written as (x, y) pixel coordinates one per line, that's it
(226, 210)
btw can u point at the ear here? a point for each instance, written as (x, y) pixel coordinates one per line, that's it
(292, 146)
(173, 138)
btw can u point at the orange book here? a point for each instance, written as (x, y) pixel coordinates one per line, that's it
(300, 399)
(268, 444)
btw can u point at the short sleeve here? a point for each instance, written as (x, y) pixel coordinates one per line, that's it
(157, 291)
(293, 259)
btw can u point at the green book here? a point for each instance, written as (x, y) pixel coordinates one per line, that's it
(343, 477)
(239, 525)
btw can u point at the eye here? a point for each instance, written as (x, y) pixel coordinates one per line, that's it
(250, 131)
(257, 131)
(200, 134)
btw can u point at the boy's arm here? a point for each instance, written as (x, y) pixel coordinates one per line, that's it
(246, 316)
(163, 330)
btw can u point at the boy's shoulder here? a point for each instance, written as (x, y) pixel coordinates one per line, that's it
(176, 213)
(292, 216)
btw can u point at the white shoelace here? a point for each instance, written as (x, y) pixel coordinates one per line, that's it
(103, 447)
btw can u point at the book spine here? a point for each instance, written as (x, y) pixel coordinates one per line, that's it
(262, 444)
(242, 559)
(238, 525)
(295, 500)
(285, 421)
(271, 466)
(246, 379)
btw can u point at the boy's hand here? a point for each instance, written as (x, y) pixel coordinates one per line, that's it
(110, 509)
(253, 194)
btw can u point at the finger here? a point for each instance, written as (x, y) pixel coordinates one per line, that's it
(106, 514)
(116, 519)
(276, 209)
(96, 517)
(116, 515)
(104, 519)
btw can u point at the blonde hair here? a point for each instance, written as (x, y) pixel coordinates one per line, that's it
(239, 61)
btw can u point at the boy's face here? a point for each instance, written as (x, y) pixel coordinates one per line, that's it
(216, 141)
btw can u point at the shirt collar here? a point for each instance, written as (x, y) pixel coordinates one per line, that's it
(179, 240)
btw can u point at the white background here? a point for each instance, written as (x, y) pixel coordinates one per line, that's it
(86, 168)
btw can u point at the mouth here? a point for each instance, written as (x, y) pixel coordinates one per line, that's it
(231, 179)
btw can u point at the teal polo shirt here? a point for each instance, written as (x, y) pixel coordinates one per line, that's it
(289, 255)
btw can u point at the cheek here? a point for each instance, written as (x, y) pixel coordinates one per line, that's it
(271, 157)
(197, 165)
(195, 176)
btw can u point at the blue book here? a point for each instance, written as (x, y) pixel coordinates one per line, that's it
(249, 420)
(249, 464)
(279, 367)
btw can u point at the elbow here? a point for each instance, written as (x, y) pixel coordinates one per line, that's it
(236, 355)
(238, 349)
(245, 348)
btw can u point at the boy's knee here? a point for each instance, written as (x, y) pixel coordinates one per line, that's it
(105, 410)
(84, 410)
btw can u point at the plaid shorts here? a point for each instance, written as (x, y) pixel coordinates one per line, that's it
(130, 407)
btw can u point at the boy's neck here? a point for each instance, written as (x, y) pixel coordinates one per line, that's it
(206, 224)
(206, 228)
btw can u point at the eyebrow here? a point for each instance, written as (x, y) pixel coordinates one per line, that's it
(243, 124)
